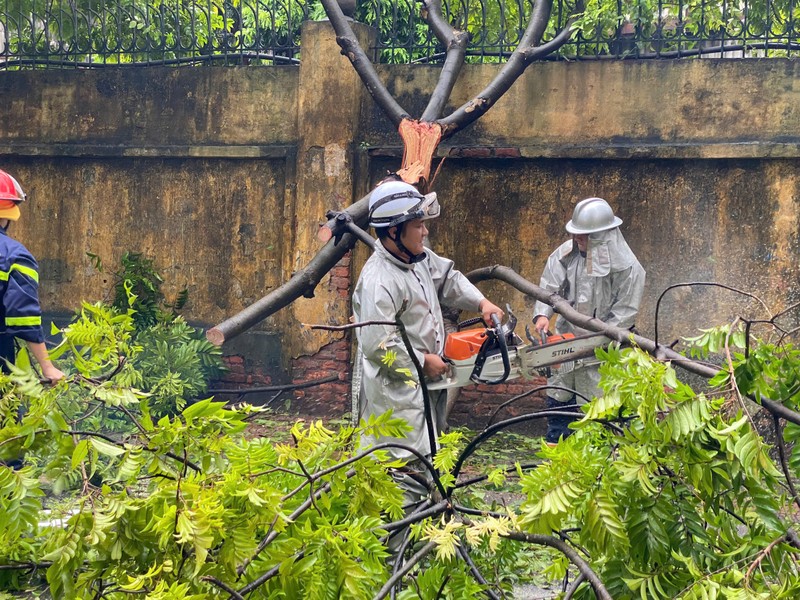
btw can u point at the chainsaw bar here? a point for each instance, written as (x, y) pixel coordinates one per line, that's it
(536, 357)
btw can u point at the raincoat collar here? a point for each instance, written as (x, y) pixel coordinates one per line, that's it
(386, 255)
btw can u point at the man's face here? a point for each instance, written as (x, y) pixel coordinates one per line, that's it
(413, 235)
(582, 241)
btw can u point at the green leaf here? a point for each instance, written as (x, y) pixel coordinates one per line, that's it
(105, 448)
(80, 453)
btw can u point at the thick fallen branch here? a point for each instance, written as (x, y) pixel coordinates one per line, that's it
(623, 336)
(336, 232)
(302, 283)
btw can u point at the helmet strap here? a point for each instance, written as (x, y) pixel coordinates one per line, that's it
(411, 257)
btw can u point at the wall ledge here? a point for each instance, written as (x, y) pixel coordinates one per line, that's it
(119, 151)
(612, 150)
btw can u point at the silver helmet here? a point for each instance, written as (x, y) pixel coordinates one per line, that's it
(592, 215)
(395, 202)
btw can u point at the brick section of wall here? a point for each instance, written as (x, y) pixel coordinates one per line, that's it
(340, 277)
(477, 403)
(329, 399)
(241, 375)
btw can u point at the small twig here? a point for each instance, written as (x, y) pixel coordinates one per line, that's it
(310, 486)
(223, 586)
(350, 325)
(528, 393)
(409, 564)
(185, 462)
(761, 556)
(275, 388)
(700, 283)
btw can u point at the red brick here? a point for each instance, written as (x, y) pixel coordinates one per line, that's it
(235, 378)
(507, 152)
(475, 152)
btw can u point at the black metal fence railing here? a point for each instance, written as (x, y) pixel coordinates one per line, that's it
(88, 33)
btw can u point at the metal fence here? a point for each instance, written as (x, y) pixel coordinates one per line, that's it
(92, 33)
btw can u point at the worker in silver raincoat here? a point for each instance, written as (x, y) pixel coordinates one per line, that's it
(403, 279)
(597, 272)
(402, 271)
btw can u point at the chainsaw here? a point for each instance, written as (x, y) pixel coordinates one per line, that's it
(492, 355)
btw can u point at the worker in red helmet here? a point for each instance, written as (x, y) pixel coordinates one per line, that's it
(20, 313)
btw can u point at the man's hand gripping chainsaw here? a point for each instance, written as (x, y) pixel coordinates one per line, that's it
(496, 354)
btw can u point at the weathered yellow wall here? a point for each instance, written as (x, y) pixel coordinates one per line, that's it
(213, 226)
(223, 174)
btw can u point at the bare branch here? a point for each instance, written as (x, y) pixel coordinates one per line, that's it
(623, 336)
(302, 283)
(185, 462)
(574, 558)
(456, 43)
(275, 388)
(700, 284)
(362, 64)
(223, 586)
(476, 572)
(525, 53)
(392, 581)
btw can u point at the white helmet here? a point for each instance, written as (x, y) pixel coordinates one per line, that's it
(592, 216)
(395, 202)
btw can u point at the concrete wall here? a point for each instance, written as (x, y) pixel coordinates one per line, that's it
(224, 174)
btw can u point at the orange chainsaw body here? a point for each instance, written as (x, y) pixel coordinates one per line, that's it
(462, 345)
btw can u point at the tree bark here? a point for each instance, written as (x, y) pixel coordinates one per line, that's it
(618, 334)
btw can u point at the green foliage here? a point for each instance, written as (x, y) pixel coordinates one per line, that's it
(669, 497)
(173, 361)
(187, 500)
(664, 492)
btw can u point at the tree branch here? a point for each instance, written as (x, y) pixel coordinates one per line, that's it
(302, 283)
(275, 388)
(574, 558)
(362, 64)
(526, 52)
(623, 336)
(456, 43)
(409, 564)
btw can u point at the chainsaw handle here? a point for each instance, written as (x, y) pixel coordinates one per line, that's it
(468, 323)
(498, 334)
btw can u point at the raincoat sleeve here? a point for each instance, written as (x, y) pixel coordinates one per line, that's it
(452, 286)
(553, 279)
(626, 288)
(383, 345)
(23, 315)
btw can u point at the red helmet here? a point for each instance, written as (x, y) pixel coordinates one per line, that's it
(11, 195)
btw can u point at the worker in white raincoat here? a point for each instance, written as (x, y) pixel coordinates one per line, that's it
(597, 272)
(402, 271)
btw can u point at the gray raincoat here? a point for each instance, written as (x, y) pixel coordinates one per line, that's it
(384, 284)
(606, 283)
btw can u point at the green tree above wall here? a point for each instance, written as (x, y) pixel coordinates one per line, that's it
(40, 33)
